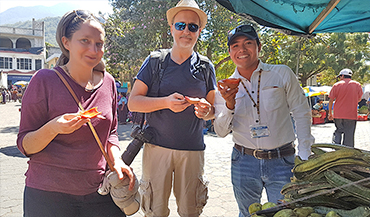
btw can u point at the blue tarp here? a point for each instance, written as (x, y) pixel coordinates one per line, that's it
(294, 17)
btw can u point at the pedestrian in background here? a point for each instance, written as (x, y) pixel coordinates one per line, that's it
(346, 93)
(175, 158)
(257, 112)
(14, 94)
(66, 165)
(122, 108)
(368, 106)
(318, 108)
(3, 94)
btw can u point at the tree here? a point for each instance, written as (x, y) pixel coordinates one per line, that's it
(351, 51)
(133, 30)
(138, 27)
(321, 55)
(213, 42)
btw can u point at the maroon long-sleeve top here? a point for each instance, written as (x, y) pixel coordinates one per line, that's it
(70, 163)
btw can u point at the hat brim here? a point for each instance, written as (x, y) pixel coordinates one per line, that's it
(251, 37)
(173, 11)
(344, 74)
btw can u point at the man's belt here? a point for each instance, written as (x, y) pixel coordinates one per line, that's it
(283, 151)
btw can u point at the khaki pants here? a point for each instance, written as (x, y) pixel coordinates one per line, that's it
(161, 168)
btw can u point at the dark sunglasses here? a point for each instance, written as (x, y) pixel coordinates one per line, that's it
(180, 26)
(243, 28)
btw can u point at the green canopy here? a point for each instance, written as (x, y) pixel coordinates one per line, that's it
(305, 17)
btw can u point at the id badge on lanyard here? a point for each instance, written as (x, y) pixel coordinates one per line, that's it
(259, 130)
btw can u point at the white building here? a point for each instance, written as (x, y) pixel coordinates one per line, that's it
(22, 52)
(52, 57)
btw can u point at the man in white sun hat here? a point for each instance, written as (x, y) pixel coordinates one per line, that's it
(165, 81)
(346, 93)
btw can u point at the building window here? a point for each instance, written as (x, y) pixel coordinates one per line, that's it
(6, 63)
(23, 63)
(23, 43)
(38, 64)
(5, 42)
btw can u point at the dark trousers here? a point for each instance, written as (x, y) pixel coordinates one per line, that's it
(122, 113)
(345, 127)
(39, 203)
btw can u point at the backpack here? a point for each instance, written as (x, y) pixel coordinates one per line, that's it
(158, 63)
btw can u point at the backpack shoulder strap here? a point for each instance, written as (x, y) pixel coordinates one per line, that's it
(204, 66)
(158, 63)
(204, 59)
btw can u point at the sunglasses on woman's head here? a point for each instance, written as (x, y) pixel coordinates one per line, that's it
(180, 26)
(84, 15)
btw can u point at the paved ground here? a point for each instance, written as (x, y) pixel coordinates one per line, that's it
(217, 156)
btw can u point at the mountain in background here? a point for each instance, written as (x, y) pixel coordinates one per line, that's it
(21, 14)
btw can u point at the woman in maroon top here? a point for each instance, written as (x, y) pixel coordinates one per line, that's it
(66, 166)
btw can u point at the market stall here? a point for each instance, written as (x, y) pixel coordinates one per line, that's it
(314, 93)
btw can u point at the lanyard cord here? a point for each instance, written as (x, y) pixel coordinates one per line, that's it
(257, 105)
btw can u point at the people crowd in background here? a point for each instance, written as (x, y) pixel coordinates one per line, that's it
(14, 93)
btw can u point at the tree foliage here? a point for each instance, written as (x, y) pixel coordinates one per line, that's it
(138, 27)
(133, 30)
(323, 55)
(351, 51)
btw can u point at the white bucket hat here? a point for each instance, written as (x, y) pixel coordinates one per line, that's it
(187, 5)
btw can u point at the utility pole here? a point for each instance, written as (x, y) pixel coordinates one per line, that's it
(298, 56)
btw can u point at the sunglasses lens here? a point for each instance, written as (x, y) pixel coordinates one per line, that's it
(180, 26)
(232, 32)
(193, 27)
(245, 29)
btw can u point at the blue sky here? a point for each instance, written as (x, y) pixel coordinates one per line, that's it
(92, 5)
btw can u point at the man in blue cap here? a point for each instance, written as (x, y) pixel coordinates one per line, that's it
(257, 112)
